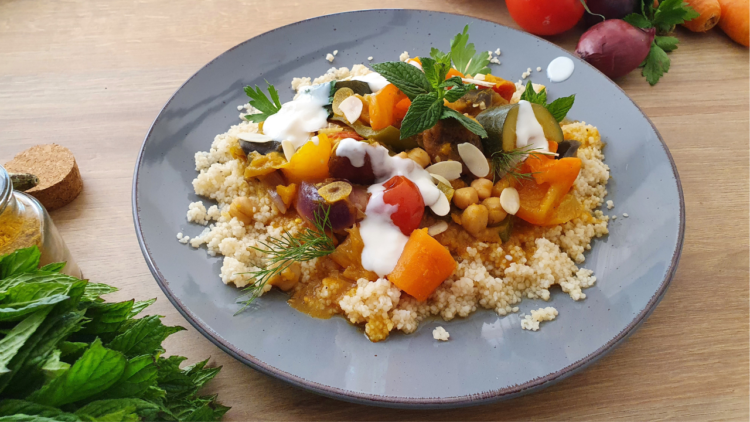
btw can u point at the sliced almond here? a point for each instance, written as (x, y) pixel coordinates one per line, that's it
(474, 159)
(510, 201)
(451, 170)
(352, 108)
(288, 148)
(437, 228)
(440, 179)
(254, 137)
(442, 206)
(478, 82)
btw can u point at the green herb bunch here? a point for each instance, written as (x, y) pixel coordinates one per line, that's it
(428, 88)
(663, 18)
(262, 103)
(68, 355)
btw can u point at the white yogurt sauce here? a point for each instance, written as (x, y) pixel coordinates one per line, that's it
(529, 132)
(374, 79)
(297, 119)
(560, 69)
(383, 240)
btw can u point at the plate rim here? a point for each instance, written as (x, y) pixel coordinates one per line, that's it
(395, 401)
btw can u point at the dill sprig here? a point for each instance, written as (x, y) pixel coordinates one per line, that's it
(284, 251)
(505, 163)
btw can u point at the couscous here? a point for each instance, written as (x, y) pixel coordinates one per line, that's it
(349, 201)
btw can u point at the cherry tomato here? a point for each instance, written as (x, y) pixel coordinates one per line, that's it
(545, 17)
(403, 192)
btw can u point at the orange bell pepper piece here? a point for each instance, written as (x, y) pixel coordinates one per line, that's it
(309, 162)
(453, 72)
(423, 266)
(505, 88)
(401, 108)
(381, 107)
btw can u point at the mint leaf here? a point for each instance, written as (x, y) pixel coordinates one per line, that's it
(560, 107)
(53, 367)
(20, 261)
(10, 407)
(140, 374)
(637, 20)
(17, 337)
(440, 57)
(143, 337)
(106, 317)
(530, 95)
(432, 72)
(410, 80)
(458, 91)
(55, 267)
(94, 290)
(18, 310)
(29, 418)
(260, 101)
(105, 410)
(138, 307)
(467, 122)
(666, 43)
(671, 13)
(656, 64)
(423, 114)
(98, 369)
(71, 347)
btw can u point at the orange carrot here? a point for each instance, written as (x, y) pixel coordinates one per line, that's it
(710, 12)
(453, 72)
(401, 108)
(734, 20)
(381, 107)
(503, 87)
(423, 266)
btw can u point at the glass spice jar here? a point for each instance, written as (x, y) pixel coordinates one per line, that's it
(24, 222)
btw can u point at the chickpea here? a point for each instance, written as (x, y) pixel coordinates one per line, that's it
(402, 154)
(464, 197)
(505, 182)
(474, 219)
(242, 209)
(483, 187)
(496, 211)
(419, 156)
(288, 278)
(458, 184)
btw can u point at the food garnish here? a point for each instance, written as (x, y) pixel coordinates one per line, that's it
(260, 101)
(663, 18)
(463, 55)
(558, 108)
(68, 355)
(284, 251)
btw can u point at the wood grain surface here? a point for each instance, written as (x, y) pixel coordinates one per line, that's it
(92, 76)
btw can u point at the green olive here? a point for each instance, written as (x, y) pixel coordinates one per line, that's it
(500, 124)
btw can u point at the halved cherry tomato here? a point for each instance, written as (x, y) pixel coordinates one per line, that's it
(403, 192)
(545, 17)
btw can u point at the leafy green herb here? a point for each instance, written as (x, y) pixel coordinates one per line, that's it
(286, 250)
(505, 163)
(663, 18)
(78, 358)
(465, 58)
(260, 101)
(427, 90)
(558, 108)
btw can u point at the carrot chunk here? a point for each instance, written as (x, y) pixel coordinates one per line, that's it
(423, 266)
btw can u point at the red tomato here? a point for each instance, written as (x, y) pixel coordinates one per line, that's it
(545, 17)
(403, 192)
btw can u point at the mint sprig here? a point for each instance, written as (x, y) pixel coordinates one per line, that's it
(558, 108)
(663, 18)
(427, 90)
(260, 101)
(68, 355)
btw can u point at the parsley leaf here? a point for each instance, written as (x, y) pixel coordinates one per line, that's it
(530, 95)
(410, 80)
(666, 43)
(424, 113)
(560, 107)
(671, 13)
(637, 20)
(465, 58)
(260, 101)
(467, 122)
(656, 64)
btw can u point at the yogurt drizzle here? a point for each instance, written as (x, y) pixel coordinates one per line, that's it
(383, 240)
(560, 69)
(299, 118)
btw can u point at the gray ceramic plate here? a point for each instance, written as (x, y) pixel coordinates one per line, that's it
(488, 357)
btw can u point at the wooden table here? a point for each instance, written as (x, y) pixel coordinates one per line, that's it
(92, 76)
